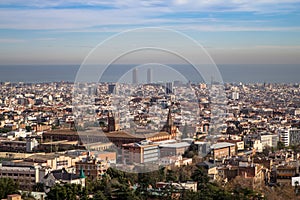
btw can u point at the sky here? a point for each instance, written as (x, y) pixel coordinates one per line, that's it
(232, 31)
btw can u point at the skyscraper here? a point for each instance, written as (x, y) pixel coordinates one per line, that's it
(134, 76)
(112, 89)
(149, 75)
(169, 88)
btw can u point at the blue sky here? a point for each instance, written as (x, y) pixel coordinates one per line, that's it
(232, 31)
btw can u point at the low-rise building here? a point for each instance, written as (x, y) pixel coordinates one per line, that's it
(53, 161)
(62, 177)
(203, 148)
(190, 185)
(223, 149)
(92, 167)
(13, 197)
(210, 168)
(284, 173)
(252, 172)
(143, 152)
(25, 174)
(175, 149)
(268, 140)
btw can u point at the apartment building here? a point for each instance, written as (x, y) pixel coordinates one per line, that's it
(25, 174)
(142, 152)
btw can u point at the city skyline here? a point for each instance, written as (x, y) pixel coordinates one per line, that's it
(149, 99)
(64, 32)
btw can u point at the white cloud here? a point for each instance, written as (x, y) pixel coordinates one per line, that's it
(11, 40)
(136, 13)
(46, 39)
(180, 2)
(197, 5)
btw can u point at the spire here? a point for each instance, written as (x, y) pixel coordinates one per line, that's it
(81, 173)
(169, 119)
(169, 126)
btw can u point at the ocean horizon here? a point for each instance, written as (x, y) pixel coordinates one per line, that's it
(231, 73)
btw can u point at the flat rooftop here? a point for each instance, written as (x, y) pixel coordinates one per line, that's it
(175, 145)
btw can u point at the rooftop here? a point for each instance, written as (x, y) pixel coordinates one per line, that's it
(175, 145)
(221, 145)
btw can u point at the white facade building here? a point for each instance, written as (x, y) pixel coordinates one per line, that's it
(290, 136)
(285, 137)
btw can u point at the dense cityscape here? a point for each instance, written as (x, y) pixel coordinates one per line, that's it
(149, 141)
(149, 100)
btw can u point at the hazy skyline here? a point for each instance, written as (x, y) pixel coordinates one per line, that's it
(64, 31)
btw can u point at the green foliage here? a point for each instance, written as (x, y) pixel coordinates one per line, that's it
(39, 187)
(171, 176)
(7, 186)
(4, 130)
(99, 196)
(280, 145)
(28, 128)
(67, 192)
(191, 151)
(200, 176)
(27, 196)
(123, 192)
(114, 184)
(119, 185)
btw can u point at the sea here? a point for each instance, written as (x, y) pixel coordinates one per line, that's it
(231, 73)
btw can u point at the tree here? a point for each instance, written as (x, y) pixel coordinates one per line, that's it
(296, 186)
(171, 176)
(123, 192)
(99, 196)
(27, 196)
(280, 145)
(191, 151)
(28, 128)
(200, 177)
(240, 189)
(67, 192)
(57, 192)
(39, 187)
(7, 186)
(266, 151)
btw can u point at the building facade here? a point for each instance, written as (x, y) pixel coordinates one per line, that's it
(223, 149)
(26, 175)
(143, 152)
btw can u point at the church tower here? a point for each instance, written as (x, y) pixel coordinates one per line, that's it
(112, 122)
(169, 126)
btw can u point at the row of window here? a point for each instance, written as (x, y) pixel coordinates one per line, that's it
(15, 174)
(88, 167)
(62, 163)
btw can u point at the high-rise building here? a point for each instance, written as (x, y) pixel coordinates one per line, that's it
(294, 136)
(169, 88)
(235, 95)
(149, 75)
(92, 90)
(112, 88)
(284, 137)
(134, 76)
(290, 136)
